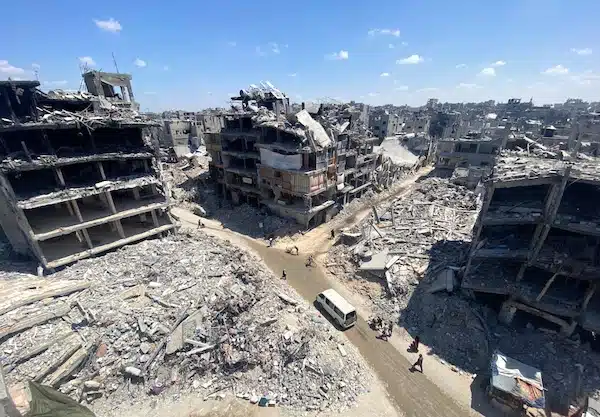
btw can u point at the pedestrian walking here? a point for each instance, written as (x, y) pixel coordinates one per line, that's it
(332, 234)
(271, 242)
(283, 275)
(200, 224)
(418, 363)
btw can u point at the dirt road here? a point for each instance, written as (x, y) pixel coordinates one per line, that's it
(413, 393)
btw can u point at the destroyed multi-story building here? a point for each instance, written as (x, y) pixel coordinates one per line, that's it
(416, 123)
(536, 243)
(74, 182)
(298, 165)
(473, 149)
(384, 124)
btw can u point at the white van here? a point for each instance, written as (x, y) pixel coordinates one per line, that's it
(337, 307)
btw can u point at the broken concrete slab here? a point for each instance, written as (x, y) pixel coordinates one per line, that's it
(443, 281)
(376, 264)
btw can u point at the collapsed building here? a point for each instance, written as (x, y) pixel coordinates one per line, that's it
(302, 165)
(78, 174)
(536, 244)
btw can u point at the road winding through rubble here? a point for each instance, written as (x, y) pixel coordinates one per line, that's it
(412, 393)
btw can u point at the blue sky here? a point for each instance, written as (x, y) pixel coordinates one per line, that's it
(191, 54)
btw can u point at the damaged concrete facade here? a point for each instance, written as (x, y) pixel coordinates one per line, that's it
(537, 240)
(302, 166)
(75, 184)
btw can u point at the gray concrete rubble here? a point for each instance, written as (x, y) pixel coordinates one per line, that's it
(78, 172)
(184, 314)
(430, 231)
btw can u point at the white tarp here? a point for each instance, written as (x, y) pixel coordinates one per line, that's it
(277, 160)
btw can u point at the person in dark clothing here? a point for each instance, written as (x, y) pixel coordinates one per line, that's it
(332, 234)
(283, 275)
(200, 224)
(418, 363)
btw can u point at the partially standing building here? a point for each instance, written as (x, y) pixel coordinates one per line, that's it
(536, 243)
(297, 165)
(73, 182)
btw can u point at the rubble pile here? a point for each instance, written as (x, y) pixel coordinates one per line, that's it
(181, 314)
(185, 176)
(415, 236)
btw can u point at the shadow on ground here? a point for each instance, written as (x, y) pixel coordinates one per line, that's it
(464, 332)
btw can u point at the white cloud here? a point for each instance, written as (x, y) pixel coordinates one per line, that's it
(404, 43)
(468, 86)
(110, 25)
(427, 89)
(232, 43)
(401, 88)
(166, 68)
(293, 74)
(410, 60)
(556, 70)
(36, 67)
(342, 55)
(274, 47)
(461, 66)
(499, 64)
(87, 60)
(583, 51)
(140, 63)
(392, 32)
(373, 94)
(55, 83)
(385, 74)
(488, 72)
(391, 46)
(585, 78)
(6, 68)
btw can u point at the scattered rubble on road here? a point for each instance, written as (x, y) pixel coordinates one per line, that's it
(407, 266)
(176, 315)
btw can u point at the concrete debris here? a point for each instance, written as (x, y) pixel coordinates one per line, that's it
(239, 328)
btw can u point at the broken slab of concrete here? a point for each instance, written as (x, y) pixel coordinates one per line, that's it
(376, 264)
(445, 280)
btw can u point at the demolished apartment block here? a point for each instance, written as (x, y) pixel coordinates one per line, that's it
(73, 183)
(536, 245)
(299, 165)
